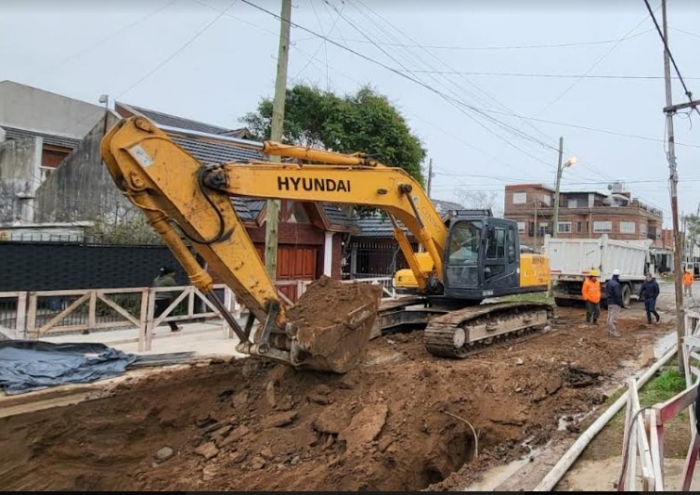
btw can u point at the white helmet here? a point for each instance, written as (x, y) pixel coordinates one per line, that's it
(616, 271)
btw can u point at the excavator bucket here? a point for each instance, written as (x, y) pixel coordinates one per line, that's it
(331, 324)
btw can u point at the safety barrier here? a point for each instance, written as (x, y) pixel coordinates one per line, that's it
(644, 437)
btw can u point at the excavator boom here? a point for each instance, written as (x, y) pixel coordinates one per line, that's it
(177, 192)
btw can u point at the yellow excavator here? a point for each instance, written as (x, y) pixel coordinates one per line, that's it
(470, 258)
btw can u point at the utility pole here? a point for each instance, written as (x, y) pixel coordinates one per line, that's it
(673, 176)
(273, 206)
(537, 228)
(556, 189)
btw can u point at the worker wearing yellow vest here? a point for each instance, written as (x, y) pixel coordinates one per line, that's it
(591, 294)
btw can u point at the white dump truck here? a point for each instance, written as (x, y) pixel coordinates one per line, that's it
(571, 260)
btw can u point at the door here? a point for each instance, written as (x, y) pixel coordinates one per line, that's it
(501, 260)
(462, 260)
(293, 263)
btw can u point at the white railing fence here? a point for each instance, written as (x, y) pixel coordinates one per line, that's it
(35, 315)
(644, 427)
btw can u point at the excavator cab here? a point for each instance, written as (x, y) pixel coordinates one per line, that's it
(482, 258)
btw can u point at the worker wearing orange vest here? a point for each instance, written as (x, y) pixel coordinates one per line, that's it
(688, 283)
(591, 294)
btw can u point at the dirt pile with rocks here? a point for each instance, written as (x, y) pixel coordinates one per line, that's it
(334, 322)
(401, 420)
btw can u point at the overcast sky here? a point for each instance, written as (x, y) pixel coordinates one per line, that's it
(489, 90)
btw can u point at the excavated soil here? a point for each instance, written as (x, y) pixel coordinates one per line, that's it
(401, 420)
(334, 321)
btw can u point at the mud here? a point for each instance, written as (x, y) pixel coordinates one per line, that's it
(400, 420)
(334, 321)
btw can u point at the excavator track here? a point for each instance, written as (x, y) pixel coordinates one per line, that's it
(457, 334)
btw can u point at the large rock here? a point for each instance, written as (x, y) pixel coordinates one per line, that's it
(364, 427)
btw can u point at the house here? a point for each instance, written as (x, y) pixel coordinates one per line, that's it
(374, 252)
(38, 130)
(582, 214)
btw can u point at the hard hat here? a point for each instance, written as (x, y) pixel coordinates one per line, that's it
(616, 271)
(594, 273)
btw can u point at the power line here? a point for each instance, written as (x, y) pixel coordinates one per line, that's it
(179, 50)
(670, 55)
(557, 76)
(103, 40)
(626, 36)
(686, 32)
(393, 70)
(489, 48)
(515, 131)
(455, 101)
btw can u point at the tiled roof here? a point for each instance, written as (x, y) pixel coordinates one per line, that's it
(378, 226)
(208, 152)
(65, 142)
(182, 123)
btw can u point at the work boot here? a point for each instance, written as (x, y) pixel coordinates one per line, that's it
(613, 334)
(658, 318)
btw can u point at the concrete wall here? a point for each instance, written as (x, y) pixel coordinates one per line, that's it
(42, 111)
(81, 189)
(19, 178)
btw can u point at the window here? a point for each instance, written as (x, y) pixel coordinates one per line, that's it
(547, 200)
(464, 243)
(579, 227)
(602, 227)
(522, 226)
(511, 245)
(627, 228)
(519, 198)
(572, 203)
(564, 228)
(497, 245)
(643, 229)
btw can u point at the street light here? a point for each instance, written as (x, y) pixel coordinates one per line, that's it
(560, 168)
(105, 99)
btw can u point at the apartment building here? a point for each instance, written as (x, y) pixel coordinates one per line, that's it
(581, 214)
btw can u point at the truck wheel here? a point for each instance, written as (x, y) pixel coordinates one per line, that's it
(561, 302)
(626, 295)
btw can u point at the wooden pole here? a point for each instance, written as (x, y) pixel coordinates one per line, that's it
(673, 179)
(276, 131)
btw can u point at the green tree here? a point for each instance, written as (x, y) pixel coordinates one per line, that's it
(364, 122)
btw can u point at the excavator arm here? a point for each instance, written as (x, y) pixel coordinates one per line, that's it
(179, 195)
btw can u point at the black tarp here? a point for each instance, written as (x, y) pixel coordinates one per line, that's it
(28, 365)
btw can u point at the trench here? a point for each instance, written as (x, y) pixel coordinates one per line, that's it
(111, 444)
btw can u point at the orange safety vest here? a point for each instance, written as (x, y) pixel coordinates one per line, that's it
(591, 291)
(687, 278)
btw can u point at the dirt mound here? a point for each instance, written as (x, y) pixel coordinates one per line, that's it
(334, 321)
(401, 420)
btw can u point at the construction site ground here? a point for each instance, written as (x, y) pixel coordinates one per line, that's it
(402, 420)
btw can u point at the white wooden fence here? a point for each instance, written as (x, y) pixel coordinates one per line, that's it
(34, 315)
